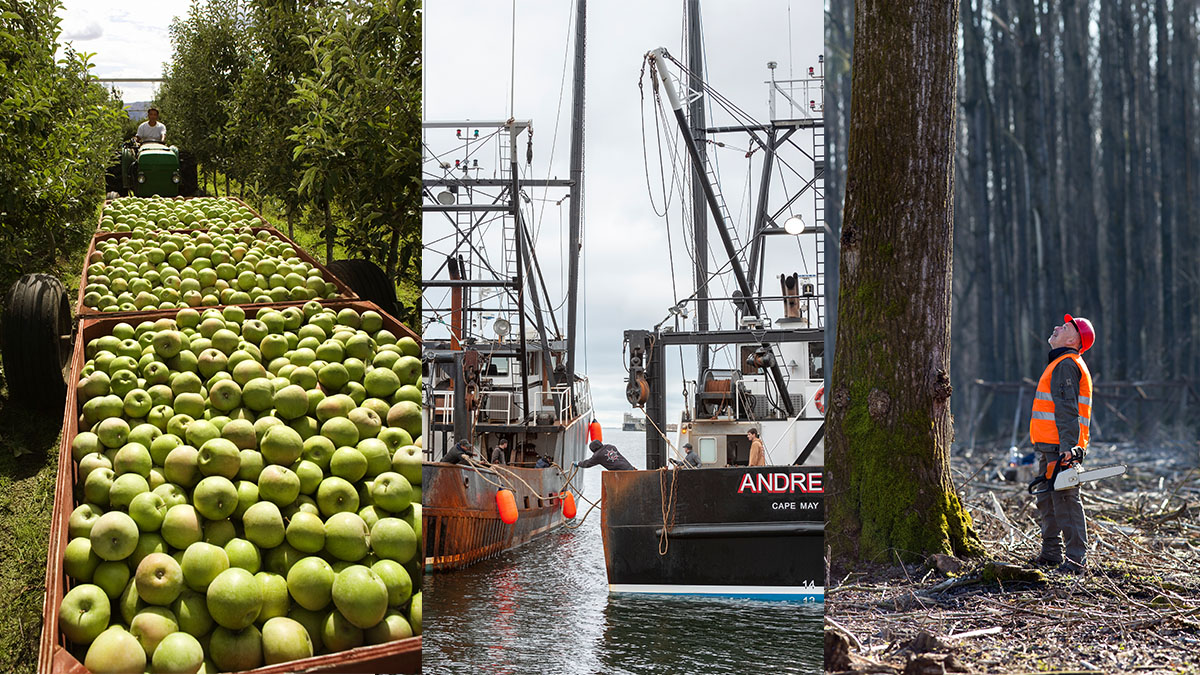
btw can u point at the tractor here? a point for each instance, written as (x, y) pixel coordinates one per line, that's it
(152, 169)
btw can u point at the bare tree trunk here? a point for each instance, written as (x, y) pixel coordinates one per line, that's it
(1112, 152)
(889, 423)
(329, 233)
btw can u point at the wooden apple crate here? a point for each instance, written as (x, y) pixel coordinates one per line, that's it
(344, 291)
(401, 656)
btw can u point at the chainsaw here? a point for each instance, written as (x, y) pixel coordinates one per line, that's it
(1064, 475)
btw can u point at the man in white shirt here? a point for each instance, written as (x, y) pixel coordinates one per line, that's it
(152, 129)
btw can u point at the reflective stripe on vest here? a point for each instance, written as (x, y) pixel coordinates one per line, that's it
(1042, 428)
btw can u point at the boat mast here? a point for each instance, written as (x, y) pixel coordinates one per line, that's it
(576, 190)
(699, 207)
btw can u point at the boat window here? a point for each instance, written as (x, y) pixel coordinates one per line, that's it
(708, 450)
(816, 360)
(498, 367)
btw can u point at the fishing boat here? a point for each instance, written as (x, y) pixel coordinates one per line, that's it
(500, 362)
(727, 528)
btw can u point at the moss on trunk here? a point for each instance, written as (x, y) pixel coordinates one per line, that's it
(889, 424)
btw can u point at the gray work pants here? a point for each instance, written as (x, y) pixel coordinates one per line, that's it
(1061, 511)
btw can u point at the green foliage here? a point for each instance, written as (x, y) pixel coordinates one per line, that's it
(58, 129)
(318, 109)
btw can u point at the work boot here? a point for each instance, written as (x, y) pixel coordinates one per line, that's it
(1069, 567)
(1042, 561)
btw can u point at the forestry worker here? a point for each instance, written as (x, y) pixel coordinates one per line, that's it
(1062, 414)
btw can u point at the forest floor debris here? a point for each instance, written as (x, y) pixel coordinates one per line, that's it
(1136, 611)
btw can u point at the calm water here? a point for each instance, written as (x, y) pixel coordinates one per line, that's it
(545, 608)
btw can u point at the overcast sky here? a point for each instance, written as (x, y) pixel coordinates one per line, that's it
(468, 52)
(128, 39)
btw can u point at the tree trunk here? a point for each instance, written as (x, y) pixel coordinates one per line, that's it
(291, 220)
(397, 220)
(329, 234)
(889, 423)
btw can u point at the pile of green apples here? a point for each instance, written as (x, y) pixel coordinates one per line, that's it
(248, 491)
(133, 214)
(173, 270)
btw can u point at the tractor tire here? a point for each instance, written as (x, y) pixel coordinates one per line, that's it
(189, 178)
(35, 340)
(370, 283)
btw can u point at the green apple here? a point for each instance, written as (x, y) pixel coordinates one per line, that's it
(312, 621)
(397, 580)
(159, 579)
(336, 495)
(172, 493)
(114, 536)
(259, 394)
(219, 457)
(414, 613)
(381, 382)
(393, 627)
(148, 542)
(407, 462)
(219, 532)
(281, 445)
(112, 576)
(202, 562)
(310, 476)
(379, 459)
(306, 532)
(113, 432)
(241, 433)
(285, 640)
(408, 368)
(82, 519)
(276, 602)
(236, 650)
(318, 450)
(151, 625)
(200, 431)
(360, 596)
(137, 403)
(161, 447)
(346, 536)
(263, 525)
(407, 416)
(125, 488)
(215, 497)
(338, 634)
(234, 598)
(92, 461)
(181, 526)
(243, 554)
(341, 431)
(225, 395)
(291, 402)
(181, 465)
(148, 510)
(391, 491)
(84, 613)
(348, 463)
(178, 652)
(338, 405)
(191, 609)
(310, 582)
(278, 484)
(115, 651)
(394, 539)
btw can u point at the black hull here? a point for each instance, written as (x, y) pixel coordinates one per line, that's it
(741, 532)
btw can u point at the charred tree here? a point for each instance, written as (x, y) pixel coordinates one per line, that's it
(889, 426)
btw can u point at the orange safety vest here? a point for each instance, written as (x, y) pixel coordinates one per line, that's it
(1042, 428)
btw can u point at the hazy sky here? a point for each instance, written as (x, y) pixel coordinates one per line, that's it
(128, 39)
(468, 60)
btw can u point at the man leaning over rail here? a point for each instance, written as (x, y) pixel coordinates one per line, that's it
(607, 456)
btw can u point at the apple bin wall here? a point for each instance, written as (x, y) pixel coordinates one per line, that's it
(53, 656)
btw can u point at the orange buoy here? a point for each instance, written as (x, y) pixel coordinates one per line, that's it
(594, 432)
(568, 501)
(820, 400)
(507, 503)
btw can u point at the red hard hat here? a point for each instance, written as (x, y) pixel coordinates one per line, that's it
(1087, 334)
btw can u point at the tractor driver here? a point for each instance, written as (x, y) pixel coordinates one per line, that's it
(152, 129)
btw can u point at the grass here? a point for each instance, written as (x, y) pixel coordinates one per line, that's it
(28, 470)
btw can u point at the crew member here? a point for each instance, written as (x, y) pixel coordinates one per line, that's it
(758, 455)
(542, 463)
(690, 460)
(499, 452)
(152, 129)
(1062, 415)
(607, 456)
(456, 454)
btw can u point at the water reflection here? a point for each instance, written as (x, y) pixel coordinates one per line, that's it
(545, 608)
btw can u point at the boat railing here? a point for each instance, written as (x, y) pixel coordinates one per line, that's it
(564, 401)
(443, 406)
(496, 405)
